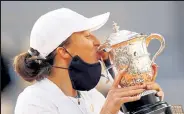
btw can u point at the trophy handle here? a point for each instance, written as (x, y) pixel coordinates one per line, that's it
(162, 41)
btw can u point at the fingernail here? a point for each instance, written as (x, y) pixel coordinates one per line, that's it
(158, 94)
(143, 89)
(138, 97)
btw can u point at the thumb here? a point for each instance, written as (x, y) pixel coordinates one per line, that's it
(155, 70)
(119, 77)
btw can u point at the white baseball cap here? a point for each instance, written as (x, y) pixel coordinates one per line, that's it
(54, 27)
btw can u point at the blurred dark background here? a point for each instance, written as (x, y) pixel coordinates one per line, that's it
(164, 17)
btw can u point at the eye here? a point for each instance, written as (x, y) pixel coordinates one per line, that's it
(88, 36)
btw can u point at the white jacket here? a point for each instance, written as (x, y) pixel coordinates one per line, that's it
(45, 97)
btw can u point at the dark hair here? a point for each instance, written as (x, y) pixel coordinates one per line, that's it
(31, 67)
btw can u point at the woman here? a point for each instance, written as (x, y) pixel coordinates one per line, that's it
(64, 61)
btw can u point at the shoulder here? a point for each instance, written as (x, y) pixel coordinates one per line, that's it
(32, 100)
(30, 94)
(38, 99)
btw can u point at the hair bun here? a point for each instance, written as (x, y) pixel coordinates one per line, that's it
(32, 63)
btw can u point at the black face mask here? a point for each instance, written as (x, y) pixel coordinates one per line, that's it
(84, 76)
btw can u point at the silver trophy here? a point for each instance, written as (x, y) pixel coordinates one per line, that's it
(129, 50)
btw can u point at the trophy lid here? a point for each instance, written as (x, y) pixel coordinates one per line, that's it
(120, 35)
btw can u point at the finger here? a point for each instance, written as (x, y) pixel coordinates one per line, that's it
(155, 65)
(160, 94)
(130, 99)
(143, 86)
(153, 86)
(155, 70)
(130, 93)
(149, 83)
(118, 78)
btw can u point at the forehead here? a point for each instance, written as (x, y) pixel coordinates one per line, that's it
(81, 33)
(80, 36)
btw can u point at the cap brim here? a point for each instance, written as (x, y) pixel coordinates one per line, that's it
(94, 23)
(98, 21)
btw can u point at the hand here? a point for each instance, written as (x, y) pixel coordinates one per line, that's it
(155, 86)
(117, 96)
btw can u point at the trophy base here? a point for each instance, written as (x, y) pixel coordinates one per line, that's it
(148, 104)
